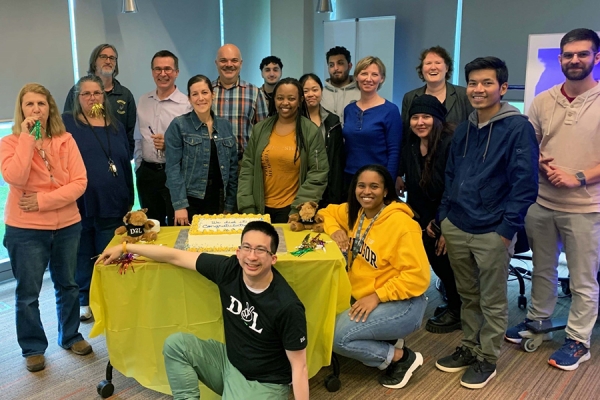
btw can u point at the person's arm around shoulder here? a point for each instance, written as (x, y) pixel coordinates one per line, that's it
(180, 258)
(314, 185)
(245, 198)
(297, 360)
(76, 186)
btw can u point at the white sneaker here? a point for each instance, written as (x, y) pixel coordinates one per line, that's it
(85, 313)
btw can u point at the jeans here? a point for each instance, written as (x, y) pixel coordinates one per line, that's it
(367, 341)
(188, 358)
(96, 233)
(30, 252)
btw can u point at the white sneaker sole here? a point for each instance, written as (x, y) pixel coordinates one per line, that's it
(478, 385)
(449, 369)
(583, 358)
(418, 362)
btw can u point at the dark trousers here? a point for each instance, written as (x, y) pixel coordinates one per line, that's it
(210, 204)
(96, 233)
(441, 267)
(153, 193)
(279, 215)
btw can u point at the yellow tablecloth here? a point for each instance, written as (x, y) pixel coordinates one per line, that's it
(137, 311)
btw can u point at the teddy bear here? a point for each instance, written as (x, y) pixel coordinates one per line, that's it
(306, 218)
(137, 227)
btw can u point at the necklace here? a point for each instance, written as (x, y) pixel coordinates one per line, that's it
(358, 240)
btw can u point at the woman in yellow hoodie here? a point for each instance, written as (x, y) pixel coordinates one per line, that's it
(389, 273)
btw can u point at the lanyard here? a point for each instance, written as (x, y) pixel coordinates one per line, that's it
(358, 240)
(112, 168)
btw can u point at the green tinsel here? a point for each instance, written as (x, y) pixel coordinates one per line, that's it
(37, 130)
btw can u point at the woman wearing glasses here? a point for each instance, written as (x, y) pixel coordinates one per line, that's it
(45, 173)
(109, 195)
(388, 271)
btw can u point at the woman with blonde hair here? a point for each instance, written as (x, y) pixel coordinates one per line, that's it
(45, 173)
(372, 125)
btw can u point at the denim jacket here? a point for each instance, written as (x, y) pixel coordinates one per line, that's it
(188, 158)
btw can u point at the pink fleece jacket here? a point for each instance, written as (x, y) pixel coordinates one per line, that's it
(25, 171)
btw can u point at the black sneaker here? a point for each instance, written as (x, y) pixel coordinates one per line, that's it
(461, 359)
(478, 374)
(398, 373)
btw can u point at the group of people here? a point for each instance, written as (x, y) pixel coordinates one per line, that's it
(476, 172)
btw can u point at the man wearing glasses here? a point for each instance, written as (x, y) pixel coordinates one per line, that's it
(566, 215)
(104, 64)
(155, 111)
(264, 323)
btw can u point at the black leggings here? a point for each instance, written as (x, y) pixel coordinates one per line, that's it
(441, 266)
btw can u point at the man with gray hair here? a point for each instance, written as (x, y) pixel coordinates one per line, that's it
(104, 64)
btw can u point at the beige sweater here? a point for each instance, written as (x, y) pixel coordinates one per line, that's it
(570, 133)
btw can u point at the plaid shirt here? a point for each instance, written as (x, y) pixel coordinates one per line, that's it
(243, 105)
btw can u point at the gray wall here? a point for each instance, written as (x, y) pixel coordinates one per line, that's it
(419, 24)
(253, 39)
(502, 28)
(188, 28)
(35, 47)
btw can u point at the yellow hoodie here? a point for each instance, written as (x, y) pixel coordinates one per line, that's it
(392, 261)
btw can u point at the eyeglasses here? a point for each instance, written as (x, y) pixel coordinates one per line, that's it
(42, 154)
(580, 54)
(166, 70)
(104, 57)
(259, 251)
(87, 95)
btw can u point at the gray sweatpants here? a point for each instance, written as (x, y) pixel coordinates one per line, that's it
(548, 232)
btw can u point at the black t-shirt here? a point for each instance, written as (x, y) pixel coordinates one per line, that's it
(259, 328)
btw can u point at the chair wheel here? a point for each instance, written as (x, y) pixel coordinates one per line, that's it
(528, 345)
(333, 383)
(105, 389)
(522, 302)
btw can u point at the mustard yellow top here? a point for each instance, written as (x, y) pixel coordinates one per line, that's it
(280, 173)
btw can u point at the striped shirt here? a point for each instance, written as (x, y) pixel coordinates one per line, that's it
(243, 105)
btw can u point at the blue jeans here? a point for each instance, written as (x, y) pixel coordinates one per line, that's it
(96, 233)
(367, 341)
(30, 252)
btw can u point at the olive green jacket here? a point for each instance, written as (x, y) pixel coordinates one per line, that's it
(314, 168)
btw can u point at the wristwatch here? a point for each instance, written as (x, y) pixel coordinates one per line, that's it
(580, 177)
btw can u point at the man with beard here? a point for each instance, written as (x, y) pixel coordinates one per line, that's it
(271, 69)
(340, 89)
(104, 64)
(155, 112)
(566, 215)
(236, 100)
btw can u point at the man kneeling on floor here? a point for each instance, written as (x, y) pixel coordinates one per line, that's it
(261, 358)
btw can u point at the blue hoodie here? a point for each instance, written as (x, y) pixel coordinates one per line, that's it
(491, 174)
